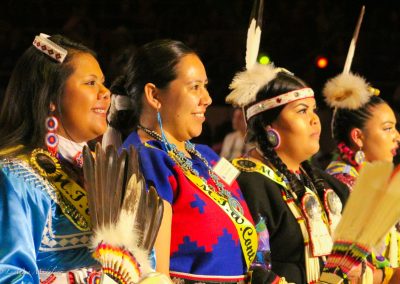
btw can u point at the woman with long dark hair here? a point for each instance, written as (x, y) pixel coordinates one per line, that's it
(54, 103)
(160, 103)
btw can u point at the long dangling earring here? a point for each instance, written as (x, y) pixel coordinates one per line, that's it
(359, 157)
(165, 143)
(51, 139)
(273, 137)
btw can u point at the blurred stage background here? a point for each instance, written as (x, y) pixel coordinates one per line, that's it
(295, 34)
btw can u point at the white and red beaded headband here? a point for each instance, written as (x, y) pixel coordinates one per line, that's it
(45, 45)
(278, 101)
(246, 85)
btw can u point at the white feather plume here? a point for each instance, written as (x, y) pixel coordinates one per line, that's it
(121, 235)
(246, 84)
(252, 44)
(347, 90)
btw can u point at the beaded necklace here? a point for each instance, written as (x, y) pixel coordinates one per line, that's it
(187, 165)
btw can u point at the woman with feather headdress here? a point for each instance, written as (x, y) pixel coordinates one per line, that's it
(364, 128)
(295, 201)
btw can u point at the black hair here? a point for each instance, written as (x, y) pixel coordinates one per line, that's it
(36, 81)
(345, 120)
(283, 83)
(154, 62)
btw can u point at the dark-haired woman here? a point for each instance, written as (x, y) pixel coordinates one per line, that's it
(364, 128)
(55, 102)
(207, 233)
(298, 205)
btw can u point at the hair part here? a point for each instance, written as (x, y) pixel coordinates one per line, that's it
(154, 62)
(36, 81)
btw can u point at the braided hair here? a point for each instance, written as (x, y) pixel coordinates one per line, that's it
(283, 83)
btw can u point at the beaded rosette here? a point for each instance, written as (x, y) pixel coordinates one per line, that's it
(118, 263)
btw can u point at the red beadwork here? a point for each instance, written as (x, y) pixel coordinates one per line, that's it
(51, 138)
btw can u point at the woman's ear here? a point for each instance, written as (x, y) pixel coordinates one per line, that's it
(151, 95)
(52, 107)
(357, 137)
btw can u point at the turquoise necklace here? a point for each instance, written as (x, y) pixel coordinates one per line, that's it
(186, 164)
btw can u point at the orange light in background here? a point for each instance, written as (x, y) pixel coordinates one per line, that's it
(322, 62)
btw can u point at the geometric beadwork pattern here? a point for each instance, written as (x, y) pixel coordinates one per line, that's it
(50, 241)
(50, 48)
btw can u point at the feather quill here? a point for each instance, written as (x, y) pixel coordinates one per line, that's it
(353, 43)
(254, 33)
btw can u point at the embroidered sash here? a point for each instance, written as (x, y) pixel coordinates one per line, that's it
(70, 196)
(246, 231)
(311, 261)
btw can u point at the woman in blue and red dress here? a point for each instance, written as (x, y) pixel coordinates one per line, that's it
(160, 102)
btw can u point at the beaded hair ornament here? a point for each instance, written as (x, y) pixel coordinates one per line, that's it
(246, 85)
(48, 47)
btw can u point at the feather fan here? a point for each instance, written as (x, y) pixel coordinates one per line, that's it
(370, 212)
(125, 217)
(372, 208)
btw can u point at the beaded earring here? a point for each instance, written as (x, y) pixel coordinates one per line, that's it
(273, 137)
(51, 139)
(359, 157)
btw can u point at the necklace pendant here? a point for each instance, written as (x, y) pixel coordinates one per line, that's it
(235, 205)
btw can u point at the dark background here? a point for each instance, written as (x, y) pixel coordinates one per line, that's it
(295, 33)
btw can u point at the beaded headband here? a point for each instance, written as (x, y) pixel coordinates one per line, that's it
(45, 45)
(278, 101)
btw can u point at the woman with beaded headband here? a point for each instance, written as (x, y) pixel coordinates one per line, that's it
(55, 102)
(364, 128)
(57, 86)
(206, 234)
(295, 206)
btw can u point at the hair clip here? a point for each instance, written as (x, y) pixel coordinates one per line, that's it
(45, 45)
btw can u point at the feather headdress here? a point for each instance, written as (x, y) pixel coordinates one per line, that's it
(254, 33)
(125, 216)
(348, 90)
(246, 84)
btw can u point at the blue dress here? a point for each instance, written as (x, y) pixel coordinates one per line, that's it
(35, 234)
